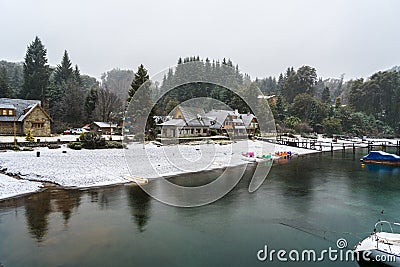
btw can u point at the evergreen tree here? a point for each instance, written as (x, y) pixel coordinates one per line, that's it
(326, 96)
(64, 71)
(77, 75)
(91, 103)
(5, 90)
(142, 103)
(140, 78)
(36, 72)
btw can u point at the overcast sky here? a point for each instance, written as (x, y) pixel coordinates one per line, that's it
(355, 37)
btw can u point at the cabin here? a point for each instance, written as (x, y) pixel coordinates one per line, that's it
(250, 122)
(187, 121)
(103, 127)
(18, 116)
(227, 122)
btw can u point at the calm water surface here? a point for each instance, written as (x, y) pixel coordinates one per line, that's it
(305, 203)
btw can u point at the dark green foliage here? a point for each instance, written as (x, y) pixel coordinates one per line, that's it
(326, 96)
(142, 110)
(379, 96)
(14, 75)
(64, 72)
(75, 145)
(90, 103)
(91, 140)
(332, 126)
(5, 89)
(36, 72)
(114, 144)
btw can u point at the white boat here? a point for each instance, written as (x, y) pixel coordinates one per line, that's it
(381, 246)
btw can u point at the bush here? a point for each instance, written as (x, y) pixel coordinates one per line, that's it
(303, 127)
(75, 145)
(29, 136)
(92, 140)
(114, 144)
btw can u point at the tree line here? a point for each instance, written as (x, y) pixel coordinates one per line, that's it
(70, 97)
(304, 103)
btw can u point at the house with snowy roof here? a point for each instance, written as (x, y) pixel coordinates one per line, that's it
(186, 121)
(250, 122)
(21, 115)
(190, 121)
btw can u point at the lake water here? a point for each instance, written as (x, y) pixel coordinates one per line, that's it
(306, 203)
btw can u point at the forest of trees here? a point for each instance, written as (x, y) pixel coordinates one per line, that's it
(71, 98)
(305, 103)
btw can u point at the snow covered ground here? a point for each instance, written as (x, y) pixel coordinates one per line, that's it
(88, 168)
(11, 187)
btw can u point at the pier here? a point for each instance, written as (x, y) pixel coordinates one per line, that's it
(320, 145)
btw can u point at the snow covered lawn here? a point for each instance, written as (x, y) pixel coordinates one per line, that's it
(88, 168)
(11, 187)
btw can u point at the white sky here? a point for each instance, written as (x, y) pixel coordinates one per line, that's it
(355, 37)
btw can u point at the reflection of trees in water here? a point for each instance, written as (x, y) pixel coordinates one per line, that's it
(65, 202)
(39, 206)
(139, 202)
(37, 209)
(105, 197)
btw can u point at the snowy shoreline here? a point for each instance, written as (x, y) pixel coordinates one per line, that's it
(96, 168)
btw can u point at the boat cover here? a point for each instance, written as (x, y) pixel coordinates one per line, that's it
(381, 156)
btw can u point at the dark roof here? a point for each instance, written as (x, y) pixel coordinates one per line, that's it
(19, 105)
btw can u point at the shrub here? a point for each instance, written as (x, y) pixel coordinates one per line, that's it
(92, 140)
(29, 136)
(75, 145)
(114, 144)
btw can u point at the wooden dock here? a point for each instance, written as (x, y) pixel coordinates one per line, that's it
(319, 145)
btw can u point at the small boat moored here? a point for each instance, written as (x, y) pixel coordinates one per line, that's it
(381, 246)
(380, 157)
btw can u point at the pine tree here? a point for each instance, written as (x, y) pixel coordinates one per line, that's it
(90, 103)
(140, 78)
(64, 71)
(326, 96)
(77, 75)
(142, 103)
(36, 72)
(5, 89)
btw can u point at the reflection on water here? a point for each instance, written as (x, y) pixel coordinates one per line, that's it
(66, 201)
(139, 203)
(306, 202)
(37, 209)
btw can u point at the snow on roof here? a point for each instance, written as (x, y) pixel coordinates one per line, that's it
(102, 124)
(20, 105)
(7, 106)
(247, 118)
(174, 122)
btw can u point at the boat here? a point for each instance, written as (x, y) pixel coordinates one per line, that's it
(380, 157)
(380, 246)
(250, 156)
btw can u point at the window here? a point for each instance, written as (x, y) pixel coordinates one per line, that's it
(38, 125)
(10, 112)
(4, 112)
